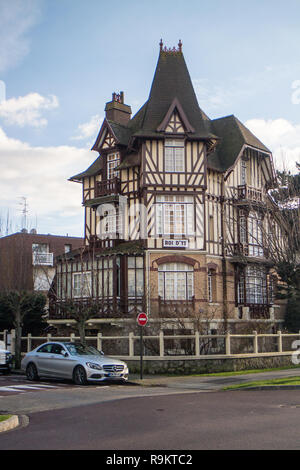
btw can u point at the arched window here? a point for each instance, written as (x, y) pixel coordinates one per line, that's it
(176, 281)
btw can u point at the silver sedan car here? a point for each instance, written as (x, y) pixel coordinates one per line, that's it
(72, 361)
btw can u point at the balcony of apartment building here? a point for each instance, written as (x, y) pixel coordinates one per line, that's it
(41, 255)
(42, 259)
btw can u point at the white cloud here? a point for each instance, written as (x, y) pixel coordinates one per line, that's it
(214, 96)
(281, 137)
(16, 19)
(27, 110)
(40, 174)
(88, 129)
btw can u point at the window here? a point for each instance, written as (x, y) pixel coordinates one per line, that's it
(46, 348)
(175, 215)
(113, 160)
(211, 281)
(40, 248)
(105, 278)
(82, 284)
(111, 222)
(243, 172)
(255, 238)
(211, 228)
(243, 229)
(252, 286)
(174, 156)
(135, 276)
(176, 281)
(68, 248)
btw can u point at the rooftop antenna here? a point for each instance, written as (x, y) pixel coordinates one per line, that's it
(24, 211)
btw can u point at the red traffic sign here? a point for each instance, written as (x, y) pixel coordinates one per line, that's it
(142, 319)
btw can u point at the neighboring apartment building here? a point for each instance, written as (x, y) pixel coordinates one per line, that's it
(175, 212)
(27, 260)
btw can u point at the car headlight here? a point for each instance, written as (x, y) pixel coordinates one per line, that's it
(91, 365)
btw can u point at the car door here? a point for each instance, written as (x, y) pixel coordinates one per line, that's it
(43, 359)
(61, 365)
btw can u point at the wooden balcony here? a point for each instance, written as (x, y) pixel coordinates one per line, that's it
(104, 307)
(107, 187)
(102, 244)
(247, 194)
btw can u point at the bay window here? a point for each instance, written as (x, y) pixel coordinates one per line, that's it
(176, 281)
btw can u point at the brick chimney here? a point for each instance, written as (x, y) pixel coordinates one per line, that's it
(116, 110)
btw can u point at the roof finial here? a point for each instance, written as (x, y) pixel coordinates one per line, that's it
(161, 44)
(180, 45)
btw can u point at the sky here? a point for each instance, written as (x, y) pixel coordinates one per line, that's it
(60, 61)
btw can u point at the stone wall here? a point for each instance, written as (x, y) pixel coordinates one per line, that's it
(186, 366)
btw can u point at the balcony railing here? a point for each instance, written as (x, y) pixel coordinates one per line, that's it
(248, 193)
(247, 249)
(42, 259)
(107, 187)
(104, 307)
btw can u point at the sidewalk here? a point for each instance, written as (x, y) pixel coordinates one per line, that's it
(203, 382)
(210, 382)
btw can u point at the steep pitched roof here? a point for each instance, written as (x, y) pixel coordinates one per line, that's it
(171, 80)
(233, 136)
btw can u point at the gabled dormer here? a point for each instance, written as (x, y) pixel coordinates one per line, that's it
(175, 121)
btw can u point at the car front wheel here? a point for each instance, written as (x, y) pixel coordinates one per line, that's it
(31, 372)
(79, 376)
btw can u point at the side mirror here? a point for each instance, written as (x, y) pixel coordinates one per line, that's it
(65, 354)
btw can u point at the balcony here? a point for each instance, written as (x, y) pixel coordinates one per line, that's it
(42, 259)
(106, 187)
(247, 194)
(247, 249)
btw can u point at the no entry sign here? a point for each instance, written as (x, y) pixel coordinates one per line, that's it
(142, 319)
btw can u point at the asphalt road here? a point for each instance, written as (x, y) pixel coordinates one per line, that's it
(215, 420)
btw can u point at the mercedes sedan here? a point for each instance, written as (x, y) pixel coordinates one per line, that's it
(82, 364)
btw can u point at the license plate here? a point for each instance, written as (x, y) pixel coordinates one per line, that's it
(114, 374)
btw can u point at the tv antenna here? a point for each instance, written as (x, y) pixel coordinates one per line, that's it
(24, 211)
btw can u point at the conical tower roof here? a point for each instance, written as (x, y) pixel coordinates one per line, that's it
(171, 82)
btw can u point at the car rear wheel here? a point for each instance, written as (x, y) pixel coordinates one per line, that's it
(31, 372)
(79, 376)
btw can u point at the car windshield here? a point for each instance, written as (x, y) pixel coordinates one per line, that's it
(77, 349)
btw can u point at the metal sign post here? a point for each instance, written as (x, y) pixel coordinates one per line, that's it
(142, 320)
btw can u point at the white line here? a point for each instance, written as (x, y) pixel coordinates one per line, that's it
(9, 389)
(36, 387)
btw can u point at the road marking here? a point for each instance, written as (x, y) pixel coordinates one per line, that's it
(37, 387)
(24, 388)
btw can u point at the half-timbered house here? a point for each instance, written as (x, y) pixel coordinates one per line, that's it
(175, 212)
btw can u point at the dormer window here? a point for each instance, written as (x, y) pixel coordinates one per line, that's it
(174, 156)
(113, 161)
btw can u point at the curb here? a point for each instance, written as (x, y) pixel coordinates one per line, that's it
(9, 423)
(264, 387)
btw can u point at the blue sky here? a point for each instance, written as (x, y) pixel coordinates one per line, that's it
(60, 60)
